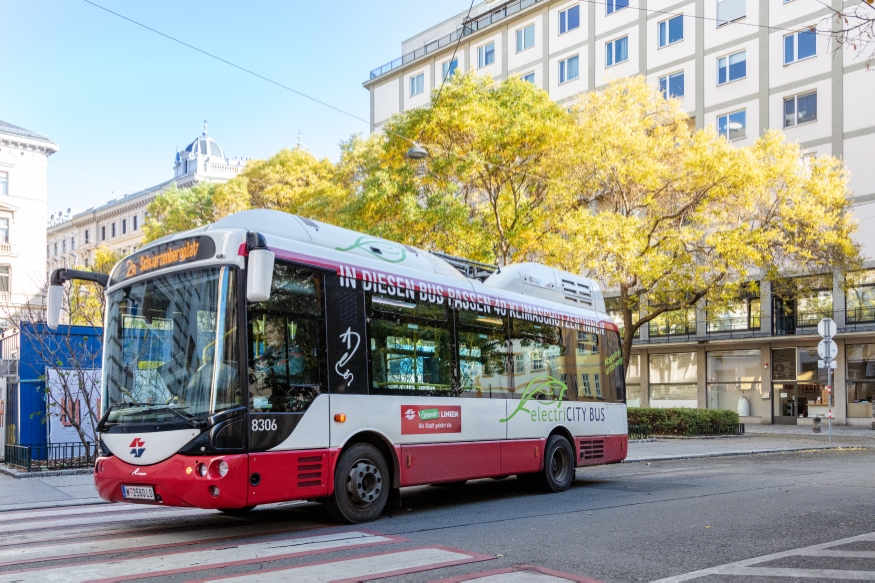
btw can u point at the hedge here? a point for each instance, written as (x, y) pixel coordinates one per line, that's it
(684, 421)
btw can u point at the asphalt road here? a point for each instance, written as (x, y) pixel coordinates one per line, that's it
(757, 518)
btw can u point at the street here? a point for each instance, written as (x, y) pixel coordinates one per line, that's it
(749, 518)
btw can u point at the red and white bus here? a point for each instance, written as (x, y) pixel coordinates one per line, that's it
(268, 358)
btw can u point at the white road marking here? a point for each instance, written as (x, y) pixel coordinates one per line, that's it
(139, 542)
(69, 511)
(205, 559)
(16, 527)
(357, 568)
(518, 577)
(748, 567)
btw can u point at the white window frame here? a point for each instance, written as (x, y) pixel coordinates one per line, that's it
(445, 68)
(585, 384)
(666, 23)
(563, 65)
(668, 81)
(727, 57)
(417, 84)
(565, 12)
(525, 77)
(728, 134)
(796, 58)
(481, 55)
(8, 277)
(4, 183)
(609, 48)
(521, 38)
(795, 99)
(608, 4)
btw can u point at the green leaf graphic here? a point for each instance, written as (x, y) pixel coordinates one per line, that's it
(384, 250)
(551, 389)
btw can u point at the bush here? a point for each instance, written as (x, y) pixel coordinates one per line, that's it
(685, 421)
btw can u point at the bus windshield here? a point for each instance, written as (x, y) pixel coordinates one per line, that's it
(171, 342)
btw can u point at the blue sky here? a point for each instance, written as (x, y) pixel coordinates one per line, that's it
(118, 99)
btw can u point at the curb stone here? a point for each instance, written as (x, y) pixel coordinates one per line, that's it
(691, 456)
(55, 504)
(21, 474)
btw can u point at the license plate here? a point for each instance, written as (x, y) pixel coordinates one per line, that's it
(139, 492)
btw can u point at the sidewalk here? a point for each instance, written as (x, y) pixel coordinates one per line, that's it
(74, 490)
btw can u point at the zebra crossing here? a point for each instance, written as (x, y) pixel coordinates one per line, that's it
(127, 542)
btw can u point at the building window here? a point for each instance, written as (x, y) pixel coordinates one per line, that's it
(730, 11)
(569, 69)
(136, 224)
(417, 84)
(671, 31)
(4, 279)
(72, 243)
(64, 246)
(525, 38)
(4, 230)
(734, 375)
(741, 314)
(56, 248)
(124, 226)
(449, 68)
(103, 233)
(569, 19)
(673, 380)
(4, 183)
(672, 85)
(860, 297)
(733, 126)
(519, 363)
(585, 383)
(800, 45)
(614, 5)
(732, 68)
(860, 360)
(86, 236)
(674, 323)
(617, 51)
(86, 261)
(113, 229)
(485, 55)
(800, 109)
(530, 77)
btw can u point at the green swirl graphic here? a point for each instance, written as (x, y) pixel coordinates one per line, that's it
(379, 249)
(552, 389)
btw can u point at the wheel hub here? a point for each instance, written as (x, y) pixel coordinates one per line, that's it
(559, 465)
(364, 483)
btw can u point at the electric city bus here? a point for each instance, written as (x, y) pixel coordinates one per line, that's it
(268, 358)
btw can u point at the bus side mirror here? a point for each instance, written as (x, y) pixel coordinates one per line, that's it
(260, 275)
(56, 298)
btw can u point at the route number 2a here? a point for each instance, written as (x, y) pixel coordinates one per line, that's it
(264, 425)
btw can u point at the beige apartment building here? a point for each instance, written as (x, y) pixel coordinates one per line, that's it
(73, 237)
(743, 66)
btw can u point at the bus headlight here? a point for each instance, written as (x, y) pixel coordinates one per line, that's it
(202, 470)
(223, 468)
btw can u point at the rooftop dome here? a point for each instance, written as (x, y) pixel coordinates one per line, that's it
(205, 145)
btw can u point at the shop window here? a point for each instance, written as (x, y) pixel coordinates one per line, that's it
(860, 297)
(860, 379)
(482, 345)
(673, 379)
(410, 347)
(735, 381)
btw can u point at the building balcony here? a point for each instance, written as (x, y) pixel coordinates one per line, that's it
(495, 15)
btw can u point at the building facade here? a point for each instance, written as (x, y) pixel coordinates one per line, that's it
(23, 191)
(73, 237)
(744, 67)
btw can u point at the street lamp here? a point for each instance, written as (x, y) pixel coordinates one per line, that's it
(417, 152)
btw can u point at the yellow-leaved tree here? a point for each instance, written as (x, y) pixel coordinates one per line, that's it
(179, 209)
(666, 218)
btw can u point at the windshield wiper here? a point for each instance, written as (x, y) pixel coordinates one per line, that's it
(191, 420)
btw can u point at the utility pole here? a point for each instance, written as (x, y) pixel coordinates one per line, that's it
(827, 350)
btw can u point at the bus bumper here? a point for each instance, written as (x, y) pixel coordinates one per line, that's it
(176, 481)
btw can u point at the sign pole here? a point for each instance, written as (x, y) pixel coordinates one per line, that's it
(827, 350)
(829, 387)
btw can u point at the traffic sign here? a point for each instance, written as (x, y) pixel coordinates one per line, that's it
(827, 327)
(827, 349)
(832, 364)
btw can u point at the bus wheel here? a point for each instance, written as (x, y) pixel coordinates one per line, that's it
(361, 486)
(558, 472)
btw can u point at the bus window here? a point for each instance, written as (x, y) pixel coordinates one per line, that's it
(410, 347)
(285, 336)
(589, 370)
(613, 368)
(483, 365)
(538, 359)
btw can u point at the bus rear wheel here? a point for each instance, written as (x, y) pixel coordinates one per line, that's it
(558, 472)
(361, 485)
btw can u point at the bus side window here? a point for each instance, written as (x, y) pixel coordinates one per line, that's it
(538, 361)
(589, 369)
(613, 368)
(410, 347)
(483, 355)
(286, 359)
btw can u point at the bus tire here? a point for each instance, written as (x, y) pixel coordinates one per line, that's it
(558, 472)
(362, 484)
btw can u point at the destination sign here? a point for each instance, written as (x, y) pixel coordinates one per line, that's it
(165, 255)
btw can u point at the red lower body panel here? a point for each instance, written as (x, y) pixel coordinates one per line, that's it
(291, 475)
(595, 451)
(522, 456)
(449, 462)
